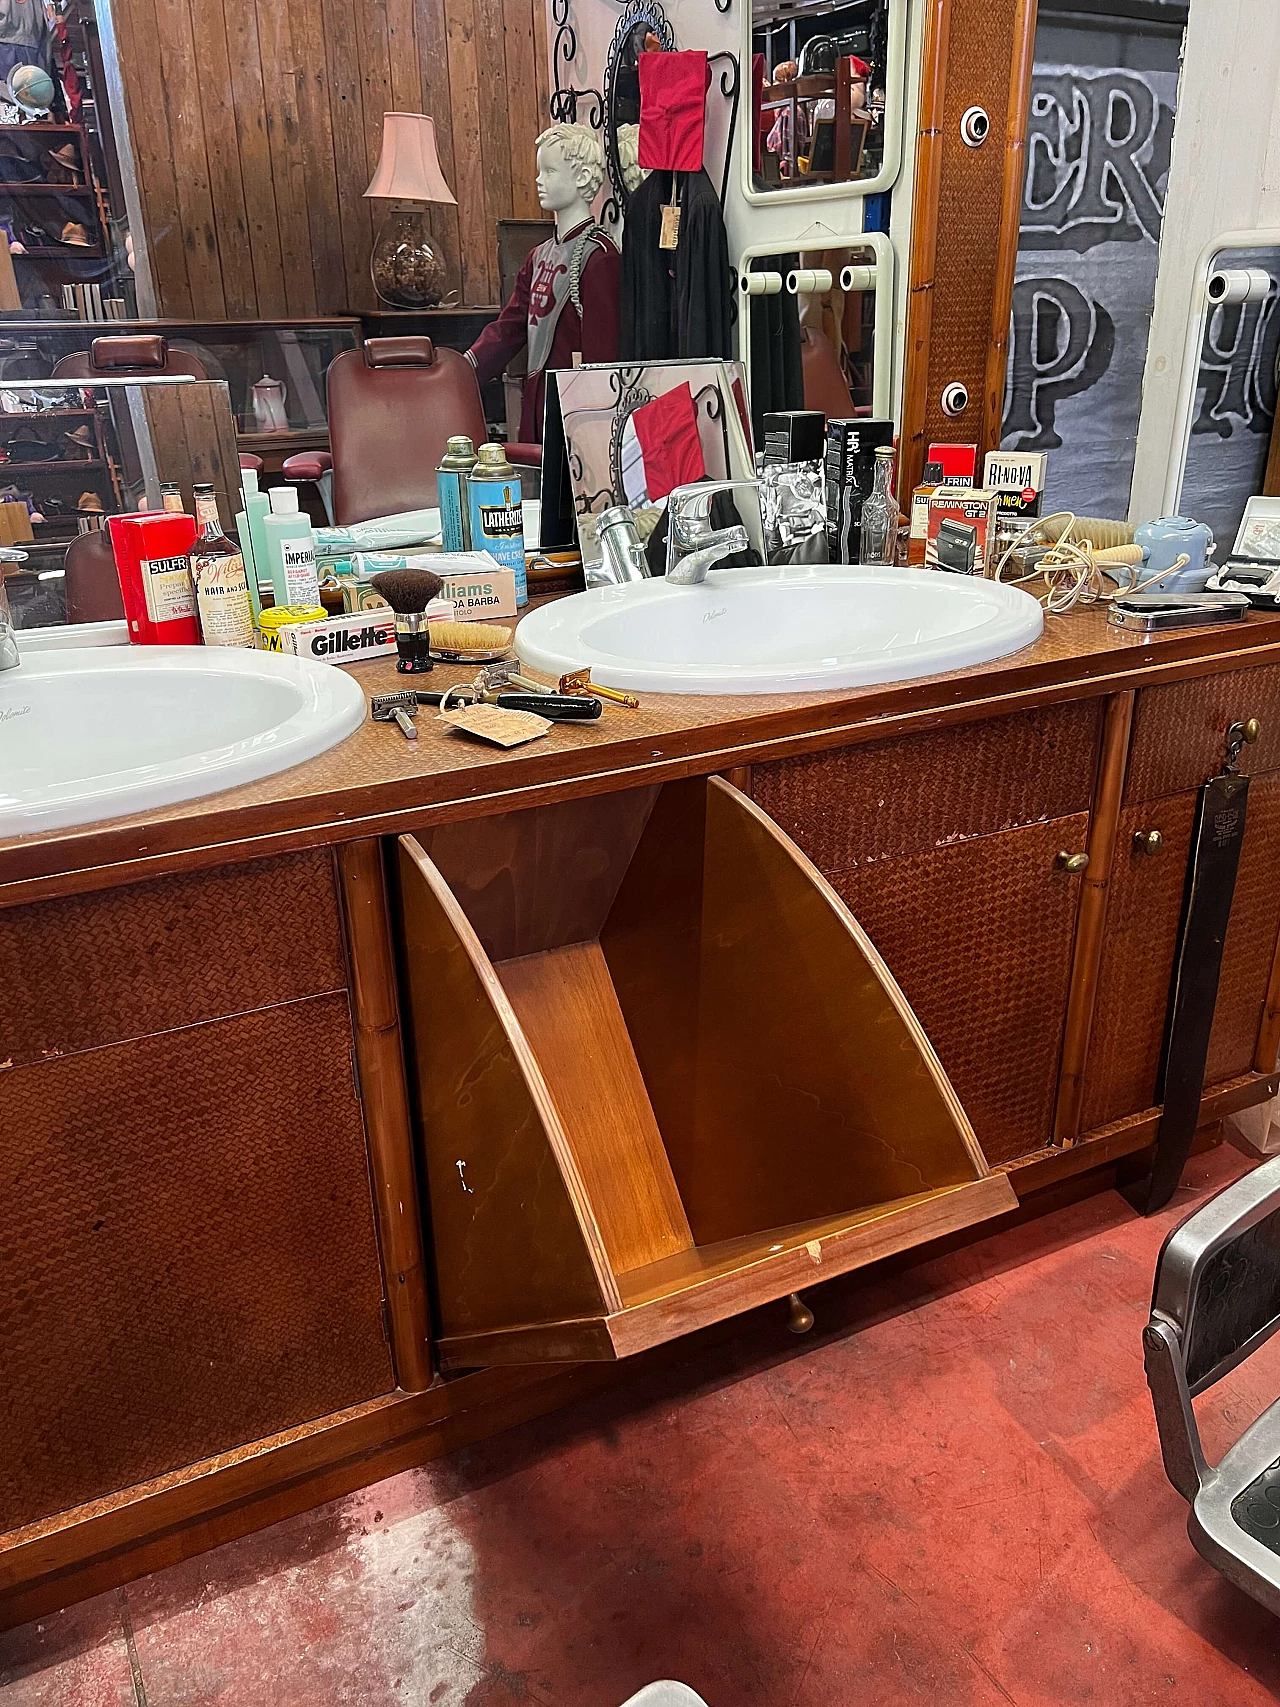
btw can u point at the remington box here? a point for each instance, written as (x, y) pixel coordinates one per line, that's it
(1018, 476)
(962, 529)
(850, 473)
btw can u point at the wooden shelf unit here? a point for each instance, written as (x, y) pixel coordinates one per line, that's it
(660, 1076)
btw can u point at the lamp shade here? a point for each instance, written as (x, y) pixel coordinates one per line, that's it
(408, 169)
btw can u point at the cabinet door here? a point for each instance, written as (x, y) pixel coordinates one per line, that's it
(1143, 913)
(979, 935)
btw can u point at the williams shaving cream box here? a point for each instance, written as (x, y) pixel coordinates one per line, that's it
(476, 585)
(850, 473)
(348, 639)
(1018, 476)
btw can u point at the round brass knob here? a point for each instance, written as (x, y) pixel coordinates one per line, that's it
(1252, 730)
(799, 1315)
(1147, 841)
(1072, 862)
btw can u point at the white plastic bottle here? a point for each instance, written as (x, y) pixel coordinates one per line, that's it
(291, 551)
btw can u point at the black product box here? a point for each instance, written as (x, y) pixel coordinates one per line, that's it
(794, 435)
(850, 475)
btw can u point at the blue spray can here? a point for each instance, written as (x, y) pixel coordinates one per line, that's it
(497, 521)
(451, 493)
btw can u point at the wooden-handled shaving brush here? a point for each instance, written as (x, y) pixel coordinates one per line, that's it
(409, 592)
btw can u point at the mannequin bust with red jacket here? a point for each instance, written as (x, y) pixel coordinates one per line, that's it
(565, 301)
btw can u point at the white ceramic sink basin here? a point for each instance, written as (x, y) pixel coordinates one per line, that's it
(780, 630)
(94, 734)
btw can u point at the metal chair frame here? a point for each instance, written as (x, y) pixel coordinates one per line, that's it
(1207, 1248)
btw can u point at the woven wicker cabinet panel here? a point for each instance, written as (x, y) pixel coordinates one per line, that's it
(904, 796)
(1180, 731)
(1249, 949)
(979, 935)
(92, 969)
(187, 1251)
(1143, 908)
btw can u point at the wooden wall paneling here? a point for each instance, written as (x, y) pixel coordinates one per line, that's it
(319, 168)
(524, 106)
(958, 300)
(276, 154)
(180, 73)
(433, 72)
(1015, 167)
(214, 91)
(157, 175)
(477, 240)
(350, 155)
(542, 61)
(246, 57)
(491, 61)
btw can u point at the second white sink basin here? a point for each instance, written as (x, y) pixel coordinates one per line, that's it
(93, 734)
(780, 630)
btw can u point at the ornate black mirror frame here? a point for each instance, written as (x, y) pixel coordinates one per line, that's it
(642, 16)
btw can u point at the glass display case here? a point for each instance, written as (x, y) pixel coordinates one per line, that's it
(273, 369)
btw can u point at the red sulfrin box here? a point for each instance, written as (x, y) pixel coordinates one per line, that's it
(150, 549)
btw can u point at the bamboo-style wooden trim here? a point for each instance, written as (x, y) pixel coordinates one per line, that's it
(1092, 918)
(1015, 161)
(376, 1012)
(924, 244)
(739, 777)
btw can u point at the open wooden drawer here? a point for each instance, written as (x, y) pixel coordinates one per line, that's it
(659, 1076)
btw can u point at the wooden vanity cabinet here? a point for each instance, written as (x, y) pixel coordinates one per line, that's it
(188, 1253)
(945, 848)
(659, 1076)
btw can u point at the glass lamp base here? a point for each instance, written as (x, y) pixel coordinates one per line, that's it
(406, 266)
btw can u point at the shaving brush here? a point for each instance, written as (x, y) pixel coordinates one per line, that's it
(409, 592)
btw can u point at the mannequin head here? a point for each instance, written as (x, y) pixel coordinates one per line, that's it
(570, 173)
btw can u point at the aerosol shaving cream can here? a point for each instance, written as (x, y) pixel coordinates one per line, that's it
(451, 488)
(497, 521)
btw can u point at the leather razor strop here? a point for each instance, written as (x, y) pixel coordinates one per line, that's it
(1216, 838)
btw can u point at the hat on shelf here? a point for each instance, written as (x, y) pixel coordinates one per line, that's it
(66, 158)
(89, 504)
(80, 443)
(75, 235)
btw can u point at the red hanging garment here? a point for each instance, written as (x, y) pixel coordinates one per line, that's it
(667, 431)
(673, 110)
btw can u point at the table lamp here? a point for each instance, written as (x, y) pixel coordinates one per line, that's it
(406, 266)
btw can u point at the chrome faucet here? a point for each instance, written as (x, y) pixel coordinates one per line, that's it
(9, 655)
(693, 545)
(622, 556)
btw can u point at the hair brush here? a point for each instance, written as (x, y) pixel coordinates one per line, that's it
(409, 592)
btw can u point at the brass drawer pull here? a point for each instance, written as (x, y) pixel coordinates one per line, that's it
(1147, 841)
(1072, 862)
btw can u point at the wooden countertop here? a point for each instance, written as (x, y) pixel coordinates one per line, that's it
(375, 782)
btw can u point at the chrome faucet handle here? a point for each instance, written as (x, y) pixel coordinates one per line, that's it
(622, 554)
(689, 510)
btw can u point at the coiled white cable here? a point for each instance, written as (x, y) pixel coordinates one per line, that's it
(1076, 571)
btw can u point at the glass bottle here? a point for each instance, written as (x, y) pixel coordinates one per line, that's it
(218, 576)
(879, 542)
(171, 498)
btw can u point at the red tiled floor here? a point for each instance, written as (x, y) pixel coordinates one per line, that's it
(950, 1492)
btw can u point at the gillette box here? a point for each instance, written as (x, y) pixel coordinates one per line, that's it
(1018, 475)
(347, 639)
(850, 473)
(961, 530)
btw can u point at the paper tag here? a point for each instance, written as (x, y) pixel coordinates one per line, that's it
(495, 723)
(669, 236)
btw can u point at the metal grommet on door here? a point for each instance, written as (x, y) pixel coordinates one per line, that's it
(955, 398)
(975, 127)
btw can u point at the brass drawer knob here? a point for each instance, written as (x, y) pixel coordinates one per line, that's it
(1072, 862)
(1147, 841)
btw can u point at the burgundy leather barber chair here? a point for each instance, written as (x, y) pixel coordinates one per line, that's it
(393, 406)
(143, 356)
